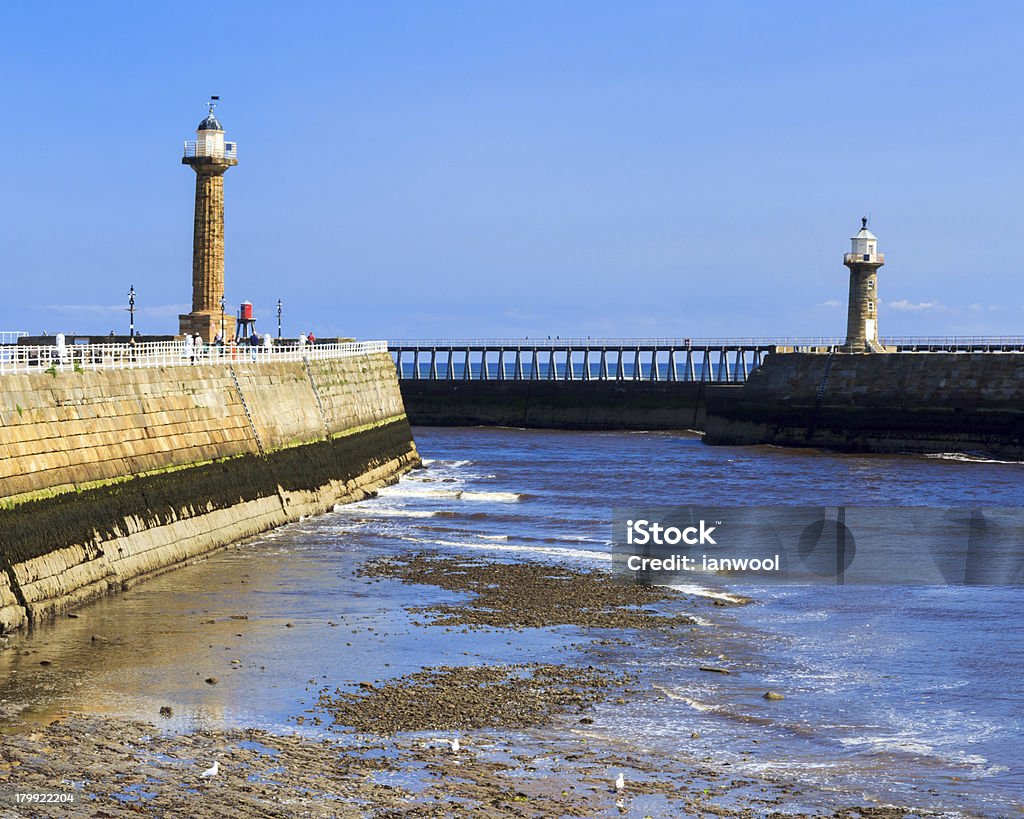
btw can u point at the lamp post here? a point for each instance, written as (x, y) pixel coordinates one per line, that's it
(278, 319)
(131, 311)
(222, 339)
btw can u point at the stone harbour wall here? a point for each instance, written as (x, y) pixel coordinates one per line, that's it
(107, 477)
(646, 405)
(884, 402)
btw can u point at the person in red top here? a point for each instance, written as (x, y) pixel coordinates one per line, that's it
(311, 338)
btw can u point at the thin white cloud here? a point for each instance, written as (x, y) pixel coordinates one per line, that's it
(914, 307)
(830, 303)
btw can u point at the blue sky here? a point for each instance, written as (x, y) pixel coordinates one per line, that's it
(517, 169)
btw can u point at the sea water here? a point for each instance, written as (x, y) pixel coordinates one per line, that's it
(892, 694)
(907, 694)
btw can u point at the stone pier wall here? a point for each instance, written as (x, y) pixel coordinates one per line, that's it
(556, 404)
(106, 477)
(887, 402)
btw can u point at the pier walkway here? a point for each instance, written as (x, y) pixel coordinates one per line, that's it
(724, 361)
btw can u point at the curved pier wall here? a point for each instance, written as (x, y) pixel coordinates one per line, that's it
(883, 402)
(110, 476)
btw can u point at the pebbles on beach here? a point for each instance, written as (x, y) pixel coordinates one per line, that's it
(529, 595)
(460, 697)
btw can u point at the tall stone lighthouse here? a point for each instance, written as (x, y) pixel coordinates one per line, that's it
(209, 156)
(862, 316)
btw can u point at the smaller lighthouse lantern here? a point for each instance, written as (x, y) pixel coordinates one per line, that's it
(864, 243)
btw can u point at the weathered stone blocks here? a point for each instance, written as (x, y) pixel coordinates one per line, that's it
(109, 476)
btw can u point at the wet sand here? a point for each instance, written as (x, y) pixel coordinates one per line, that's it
(527, 731)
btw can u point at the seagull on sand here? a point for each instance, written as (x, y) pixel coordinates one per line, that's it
(211, 771)
(455, 745)
(620, 783)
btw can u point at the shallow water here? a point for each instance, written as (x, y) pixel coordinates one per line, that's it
(898, 694)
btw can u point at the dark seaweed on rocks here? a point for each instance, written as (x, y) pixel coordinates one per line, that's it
(461, 697)
(98, 514)
(529, 595)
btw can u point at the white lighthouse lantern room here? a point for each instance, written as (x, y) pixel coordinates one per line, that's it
(865, 244)
(210, 140)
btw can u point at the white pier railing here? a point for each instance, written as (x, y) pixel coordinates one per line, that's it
(16, 358)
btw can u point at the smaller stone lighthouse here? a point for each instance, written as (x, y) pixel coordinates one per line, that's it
(862, 316)
(209, 156)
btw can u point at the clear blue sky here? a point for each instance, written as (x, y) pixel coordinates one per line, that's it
(519, 168)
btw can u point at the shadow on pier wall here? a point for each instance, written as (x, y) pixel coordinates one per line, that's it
(557, 404)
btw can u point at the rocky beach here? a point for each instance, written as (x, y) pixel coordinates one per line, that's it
(526, 747)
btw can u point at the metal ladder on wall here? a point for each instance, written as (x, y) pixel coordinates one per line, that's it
(319, 402)
(822, 386)
(245, 406)
(824, 380)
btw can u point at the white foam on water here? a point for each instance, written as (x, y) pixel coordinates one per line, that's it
(889, 743)
(511, 547)
(962, 456)
(701, 591)
(495, 497)
(443, 462)
(584, 539)
(696, 705)
(371, 512)
(904, 745)
(405, 491)
(577, 553)
(785, 766)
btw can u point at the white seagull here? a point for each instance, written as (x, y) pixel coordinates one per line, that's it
(620, 783)
(211, 771)
(455, 745)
